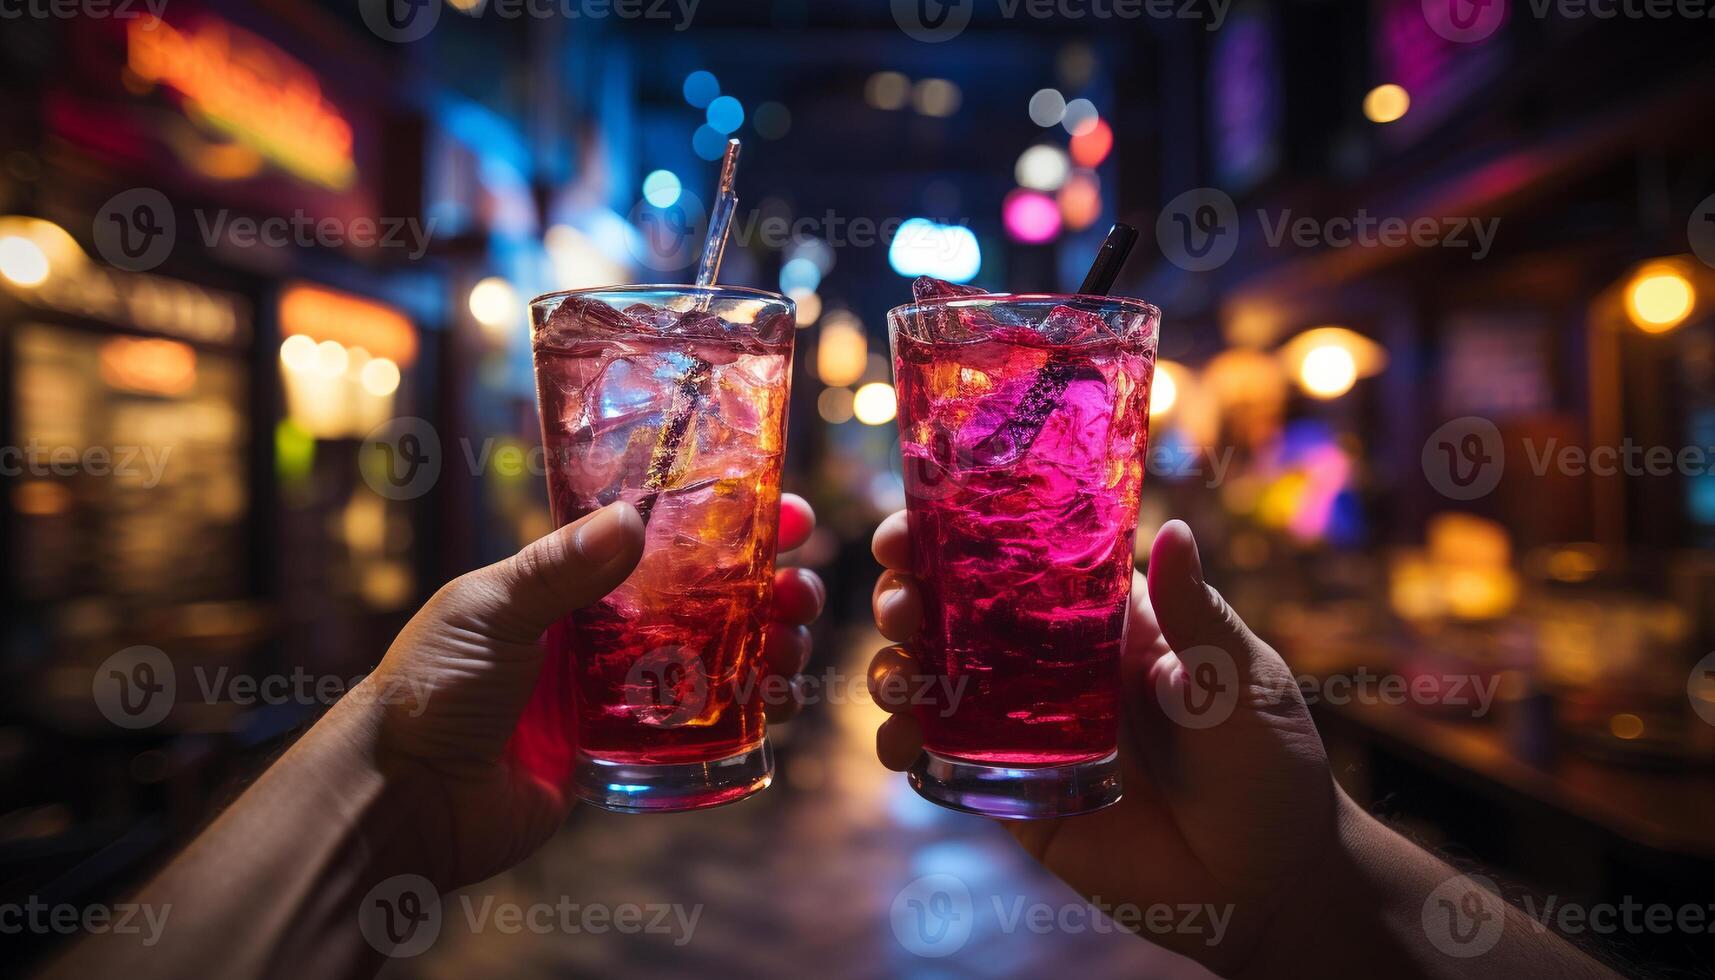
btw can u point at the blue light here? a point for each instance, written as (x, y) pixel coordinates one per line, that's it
(701, 88)
(799, 274)
(726, 114)
(926, 248)
(709, 143)
(661, 188)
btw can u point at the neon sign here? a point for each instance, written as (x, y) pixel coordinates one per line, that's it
(250, 90)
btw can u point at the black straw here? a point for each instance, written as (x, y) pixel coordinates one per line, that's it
(1112, 255)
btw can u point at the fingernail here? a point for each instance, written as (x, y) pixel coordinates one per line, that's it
(603, 536)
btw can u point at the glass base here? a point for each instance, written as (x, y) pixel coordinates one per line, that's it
(1023, 793)
(628, 787)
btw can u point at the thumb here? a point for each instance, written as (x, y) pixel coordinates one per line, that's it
(1194, 616)
(519, 598)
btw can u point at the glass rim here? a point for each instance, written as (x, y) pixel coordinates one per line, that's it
(1121, 303)
(716, 291)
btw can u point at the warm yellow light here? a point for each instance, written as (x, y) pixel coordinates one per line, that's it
(834, 405)
(331, 359)
(1626, 726)
(494, 303)
(380, 377)
(1386, 103)
(809, 306)
(887, 90)
(874, 403)
(1328, 371)
(22, 261)
(1163, 392)
(298, 353)
(936, 97)
(1659, 299)
(842, 353)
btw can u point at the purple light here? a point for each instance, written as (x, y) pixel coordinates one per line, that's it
(1031, 216)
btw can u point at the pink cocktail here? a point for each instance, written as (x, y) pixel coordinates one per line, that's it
(1023, 425)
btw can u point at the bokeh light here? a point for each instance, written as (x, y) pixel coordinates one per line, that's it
(725, 114)
(842, 350)
(1042, 168)
(22, 261)
(708, 142)
(1047, 107)
(1080, 201)
(936, 97)
(493, 302)
(1031, 216)
(700, 89)
(1659, 298)
(874, 403)
(1386, 103)
(1092, 146)
(662, 188)
(1079, 117)
(834, 405)
(887, 90)
(928, 248)
(771, 121)
(1328, 371)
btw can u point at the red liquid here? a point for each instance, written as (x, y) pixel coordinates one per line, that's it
(664, 669)
(1022, 488)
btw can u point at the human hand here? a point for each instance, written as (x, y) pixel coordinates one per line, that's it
(1235, 816)
(454, 683)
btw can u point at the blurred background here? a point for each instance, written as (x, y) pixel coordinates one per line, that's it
(1436, 388)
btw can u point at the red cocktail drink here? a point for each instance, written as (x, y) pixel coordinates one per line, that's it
(674, 399)
(1023, 427)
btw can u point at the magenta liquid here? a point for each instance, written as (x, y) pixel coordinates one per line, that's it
(1023, 462)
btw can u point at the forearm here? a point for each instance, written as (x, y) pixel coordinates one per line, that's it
(273, 886)
(1383, 906)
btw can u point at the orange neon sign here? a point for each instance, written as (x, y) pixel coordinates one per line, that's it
(250, 90)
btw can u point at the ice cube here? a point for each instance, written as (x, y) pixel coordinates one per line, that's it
(925, 288)
(577, 318)
(1069, 325)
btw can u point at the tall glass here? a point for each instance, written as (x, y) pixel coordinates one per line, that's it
(672, 398)
(1023, 423)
